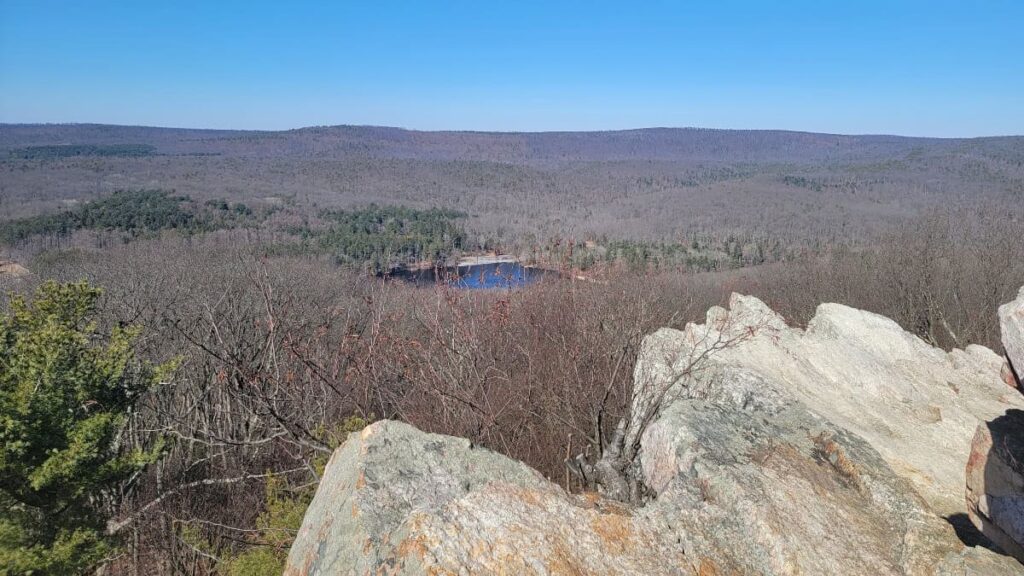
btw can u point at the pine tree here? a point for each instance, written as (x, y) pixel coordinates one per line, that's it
(66, 393)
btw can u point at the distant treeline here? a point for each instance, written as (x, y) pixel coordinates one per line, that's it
(71, 150)
(379, 238)
(131, 211)
(699, 253)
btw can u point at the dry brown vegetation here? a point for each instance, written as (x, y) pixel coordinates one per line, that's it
(805, 189)
(277, 353)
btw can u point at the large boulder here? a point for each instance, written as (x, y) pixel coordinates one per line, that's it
(995, 482)
(839, 449)
(394, 500)
(917, 405)
(995, 469)
(13, 269)
(1011, 323)
(785, 492)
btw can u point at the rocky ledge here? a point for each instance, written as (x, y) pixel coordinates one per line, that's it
(1011, 323)
(836, 449)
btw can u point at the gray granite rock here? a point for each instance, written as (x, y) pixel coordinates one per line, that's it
(917, 405)
(394, 500)
(995, 482)
(1011, 325)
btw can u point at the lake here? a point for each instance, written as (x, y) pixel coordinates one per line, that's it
(494, 275)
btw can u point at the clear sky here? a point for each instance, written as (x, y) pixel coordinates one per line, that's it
(929, 67)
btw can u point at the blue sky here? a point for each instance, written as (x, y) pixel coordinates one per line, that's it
(935, 68)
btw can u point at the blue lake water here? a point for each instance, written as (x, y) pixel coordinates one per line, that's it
(477, 276)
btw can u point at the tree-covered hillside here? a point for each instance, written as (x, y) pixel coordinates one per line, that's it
(72, 150)
(382, 237)
(130, 211)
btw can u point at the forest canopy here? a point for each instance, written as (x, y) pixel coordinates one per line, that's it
(384, 236)
(72, 150)
(131, 211)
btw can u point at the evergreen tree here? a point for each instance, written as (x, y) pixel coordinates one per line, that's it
(66, 393)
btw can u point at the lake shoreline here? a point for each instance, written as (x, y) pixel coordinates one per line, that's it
(492, 271)
(488, 259)
(477, 260)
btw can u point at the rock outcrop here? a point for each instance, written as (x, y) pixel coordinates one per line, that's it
(917, 405)
(995, 482)
(995, 469)
(12, 269)
(1011, 323)
(394, 500)
(849, 431)
(839, 449)
(785, 492)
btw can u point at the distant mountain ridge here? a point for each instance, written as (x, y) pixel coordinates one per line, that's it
(672, 144)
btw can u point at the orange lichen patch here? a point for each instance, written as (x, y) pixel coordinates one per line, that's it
(830, 451)
(355, 510)
(478, 549)
(301, 570)
(526, 496)
(361, 480)
(615, 530)
(981, 445)
(366, 433)
(594, 501)
(325, 528)
(787, 459)
(562, 562)
(437, 571)
(412, 546)
(367, 546)
(386, 570)
(707, 567)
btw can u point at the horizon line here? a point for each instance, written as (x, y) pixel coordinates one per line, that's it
(507, 132)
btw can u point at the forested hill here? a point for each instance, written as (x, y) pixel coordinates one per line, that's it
(337, 142)
(651, 184)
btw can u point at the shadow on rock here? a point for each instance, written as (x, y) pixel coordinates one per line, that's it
(969, 534)
(995, 483)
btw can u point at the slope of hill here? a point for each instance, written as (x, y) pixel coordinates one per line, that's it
(651, 183)
(677, 144)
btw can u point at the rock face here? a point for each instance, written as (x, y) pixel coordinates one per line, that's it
(394, 500)
(995, 469)
(1011, 323)
(775, 443)
(783, 492)
(838, 449)
(995, 482)
(918, 406)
